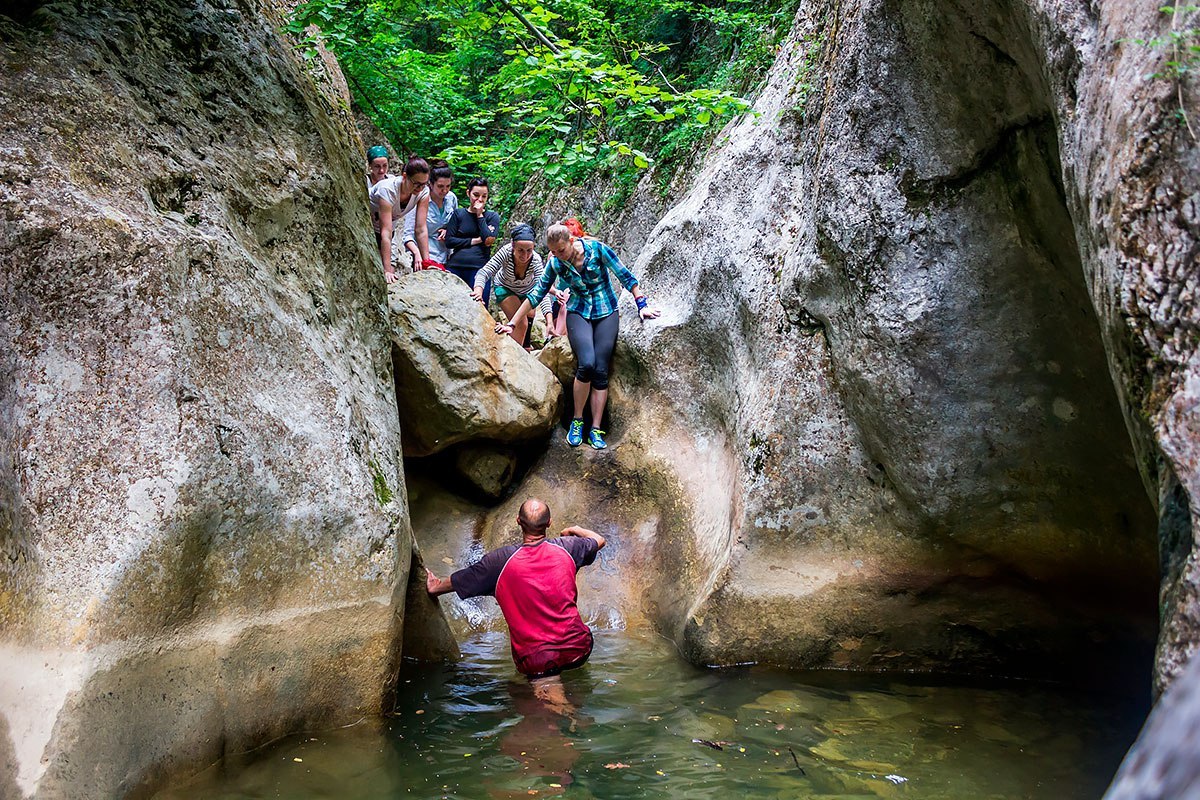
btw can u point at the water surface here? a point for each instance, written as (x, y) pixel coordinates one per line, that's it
(645, 724)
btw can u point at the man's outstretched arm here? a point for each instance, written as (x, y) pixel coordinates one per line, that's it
(584, 533)
(437, 586)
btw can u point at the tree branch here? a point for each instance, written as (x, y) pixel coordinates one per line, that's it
(537, 33)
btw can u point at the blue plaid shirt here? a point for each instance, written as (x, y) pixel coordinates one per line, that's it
(592, 295)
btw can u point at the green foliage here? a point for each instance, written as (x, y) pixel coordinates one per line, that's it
(569, 88)
(1181, 45)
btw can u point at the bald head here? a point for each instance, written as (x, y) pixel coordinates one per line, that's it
(534, 517)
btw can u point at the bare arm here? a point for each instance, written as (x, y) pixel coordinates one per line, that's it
(385, 239)
(521, 311)
(421, 229)
(437, 586)
(490, 270)
(584, 533)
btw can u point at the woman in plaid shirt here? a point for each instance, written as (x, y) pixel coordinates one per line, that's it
(592, 321)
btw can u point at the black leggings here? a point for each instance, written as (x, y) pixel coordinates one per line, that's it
(593, 341)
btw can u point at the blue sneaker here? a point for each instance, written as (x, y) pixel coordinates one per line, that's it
(596, 439)
(575, 433)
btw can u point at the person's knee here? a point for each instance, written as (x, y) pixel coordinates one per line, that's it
(585, 371)
(599, 378)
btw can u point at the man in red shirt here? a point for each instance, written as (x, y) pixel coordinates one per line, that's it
(534, 583)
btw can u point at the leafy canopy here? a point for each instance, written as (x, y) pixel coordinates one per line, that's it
(568, 87)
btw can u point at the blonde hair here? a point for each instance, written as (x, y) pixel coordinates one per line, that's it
(557, 233)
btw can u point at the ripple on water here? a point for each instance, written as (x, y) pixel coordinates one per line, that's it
(475, 730)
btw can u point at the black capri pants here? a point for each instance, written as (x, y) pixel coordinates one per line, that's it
(593, 341)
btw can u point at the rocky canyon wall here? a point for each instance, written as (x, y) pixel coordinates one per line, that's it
(202, 510)
(935, 303)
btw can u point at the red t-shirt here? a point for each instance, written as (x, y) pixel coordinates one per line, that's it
(535, 587)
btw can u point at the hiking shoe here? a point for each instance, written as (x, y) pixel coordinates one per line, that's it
(596, 439)
(575, 433)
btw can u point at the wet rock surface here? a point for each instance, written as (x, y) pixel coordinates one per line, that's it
(457, 380)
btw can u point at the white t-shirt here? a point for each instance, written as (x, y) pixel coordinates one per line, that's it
(389, 189)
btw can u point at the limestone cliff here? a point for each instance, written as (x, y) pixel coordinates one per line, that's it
(202, 511)
(936, 301)
(923, 392)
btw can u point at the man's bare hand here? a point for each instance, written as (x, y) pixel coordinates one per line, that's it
(584, 533)
(431, 581)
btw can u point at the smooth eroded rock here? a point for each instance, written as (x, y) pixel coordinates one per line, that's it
(456, 379)
(202, 510)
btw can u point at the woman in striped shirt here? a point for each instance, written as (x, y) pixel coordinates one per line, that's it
(592, 320)
(514, 270)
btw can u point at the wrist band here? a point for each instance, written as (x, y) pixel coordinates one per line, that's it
(641, 302)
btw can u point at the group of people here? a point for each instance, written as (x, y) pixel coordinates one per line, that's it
(419, 222)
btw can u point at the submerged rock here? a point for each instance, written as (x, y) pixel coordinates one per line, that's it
(456, 379)
(488, 468)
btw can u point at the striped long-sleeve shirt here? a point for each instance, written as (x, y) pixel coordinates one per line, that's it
(500, 270)
(592, 295)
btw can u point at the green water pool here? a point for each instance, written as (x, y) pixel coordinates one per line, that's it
(645, 724)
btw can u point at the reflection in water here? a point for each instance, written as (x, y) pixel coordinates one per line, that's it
(541, 743)
(637, 722)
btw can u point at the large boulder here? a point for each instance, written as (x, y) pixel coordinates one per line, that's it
(202, 510)
(456, 379)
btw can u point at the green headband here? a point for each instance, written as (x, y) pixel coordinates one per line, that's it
(378, 151)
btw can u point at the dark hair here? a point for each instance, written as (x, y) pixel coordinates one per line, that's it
(471, 184)
(416, 165)
(438, 169)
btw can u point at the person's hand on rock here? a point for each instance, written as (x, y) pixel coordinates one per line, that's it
(390, 276)
(477, 293)
(649, 313)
